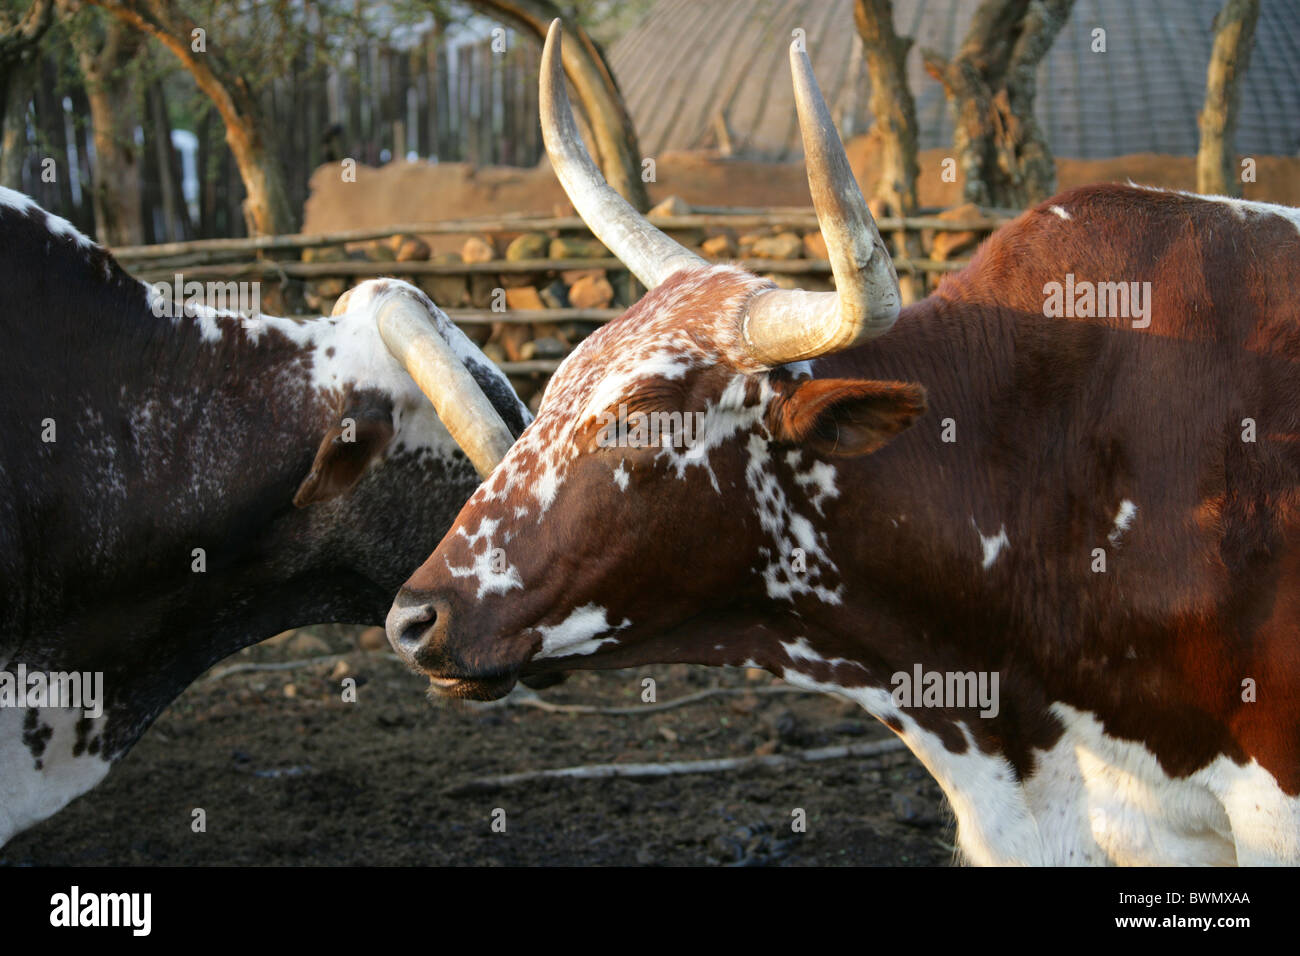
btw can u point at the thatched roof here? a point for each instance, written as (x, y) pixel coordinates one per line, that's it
(690, 61)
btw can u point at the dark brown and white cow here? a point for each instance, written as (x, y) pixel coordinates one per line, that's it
(1097, 511)
(174, 489)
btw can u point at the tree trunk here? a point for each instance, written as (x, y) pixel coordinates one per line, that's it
(895, 123)
(266, 209)
(991, 84)
(19, 37)
(51, 125)
(111, 90)
(84, 214)
(17, 79)
(1234, 36)
(176, 214)
(614, 143)
(207, 192)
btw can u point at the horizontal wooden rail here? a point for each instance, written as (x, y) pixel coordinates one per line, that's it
(532, 367)
(530, 316)
(359, 269)
(511, 316)
(356, 268)
(803, 220)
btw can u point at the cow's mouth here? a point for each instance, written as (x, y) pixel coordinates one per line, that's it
(479, 687)
(450, 675)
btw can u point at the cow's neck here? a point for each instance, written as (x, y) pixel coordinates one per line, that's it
(945, 496)
(951, 566)
(172, 418)
(1036, 545)
(177, 448)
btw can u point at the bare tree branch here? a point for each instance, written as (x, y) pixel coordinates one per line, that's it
(19, 40)
(991, 84)
(894, 111)
(19, 36)
(111, 89)
(267, 207)
(615, 145)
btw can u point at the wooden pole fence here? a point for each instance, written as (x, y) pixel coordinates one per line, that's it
(804, 220)
(359, 269)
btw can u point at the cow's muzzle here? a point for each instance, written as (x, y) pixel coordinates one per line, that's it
(419, 628)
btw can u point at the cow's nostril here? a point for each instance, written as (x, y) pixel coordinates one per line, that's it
(412, 634)
(409, 624)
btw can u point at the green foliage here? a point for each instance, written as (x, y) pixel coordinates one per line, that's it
(607, 20)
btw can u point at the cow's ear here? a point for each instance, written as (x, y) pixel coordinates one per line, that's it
(844, 417)
(363, 432)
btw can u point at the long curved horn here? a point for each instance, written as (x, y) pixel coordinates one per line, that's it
(440, 374)
(650, 254)
(785, 326)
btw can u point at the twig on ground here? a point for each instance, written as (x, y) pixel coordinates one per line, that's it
(874, 748)
(523, 697)
(253, 667)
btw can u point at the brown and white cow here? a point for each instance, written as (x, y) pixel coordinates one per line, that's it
(1097, 511)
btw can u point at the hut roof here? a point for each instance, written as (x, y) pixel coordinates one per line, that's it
(690, 62)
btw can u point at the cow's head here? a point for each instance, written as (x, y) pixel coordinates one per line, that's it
(666, 504)
(443, 366)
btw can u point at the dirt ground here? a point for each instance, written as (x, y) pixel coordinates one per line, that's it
(288, 773)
